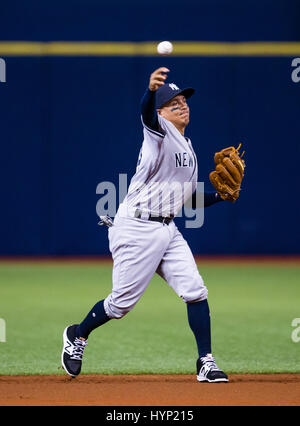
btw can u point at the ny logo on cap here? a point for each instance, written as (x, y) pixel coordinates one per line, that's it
(173, 86)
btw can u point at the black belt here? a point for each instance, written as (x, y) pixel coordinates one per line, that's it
(161, 219)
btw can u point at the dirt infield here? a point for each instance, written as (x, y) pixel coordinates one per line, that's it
(150, 390)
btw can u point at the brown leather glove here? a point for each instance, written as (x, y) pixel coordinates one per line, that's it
(229, 173)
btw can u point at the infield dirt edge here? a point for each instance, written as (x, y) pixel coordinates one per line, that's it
(149, 390)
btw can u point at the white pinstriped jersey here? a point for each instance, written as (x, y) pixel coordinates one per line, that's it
(166, 173)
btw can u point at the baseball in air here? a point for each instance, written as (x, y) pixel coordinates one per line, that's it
(165, 48)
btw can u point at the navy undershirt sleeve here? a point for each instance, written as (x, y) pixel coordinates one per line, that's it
(148, 110)
(210, 198)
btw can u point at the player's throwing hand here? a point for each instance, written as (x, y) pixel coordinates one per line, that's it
(158, 78)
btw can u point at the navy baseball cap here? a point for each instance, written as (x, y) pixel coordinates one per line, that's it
(168, 91)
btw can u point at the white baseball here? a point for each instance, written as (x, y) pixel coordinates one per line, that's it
(165, 48)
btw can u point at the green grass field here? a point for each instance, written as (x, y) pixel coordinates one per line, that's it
(252, 308)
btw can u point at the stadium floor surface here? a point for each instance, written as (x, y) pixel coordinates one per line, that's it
(149, 390)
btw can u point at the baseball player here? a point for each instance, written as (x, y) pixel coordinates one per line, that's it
(143, 237)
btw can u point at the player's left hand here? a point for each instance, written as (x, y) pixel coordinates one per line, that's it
(229, 173)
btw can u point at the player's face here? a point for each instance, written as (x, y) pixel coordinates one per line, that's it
(176, 111)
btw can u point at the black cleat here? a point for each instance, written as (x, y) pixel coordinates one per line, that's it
(73, 347)
(208, 371)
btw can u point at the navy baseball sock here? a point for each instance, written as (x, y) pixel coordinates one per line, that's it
(199, 321)
(96, 317)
